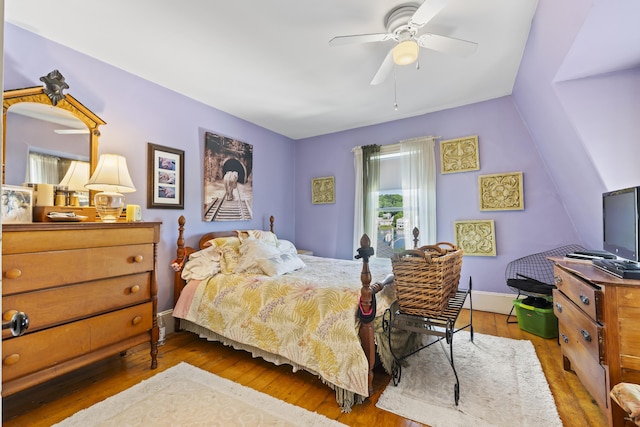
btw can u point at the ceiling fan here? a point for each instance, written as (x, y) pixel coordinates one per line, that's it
(403, 24)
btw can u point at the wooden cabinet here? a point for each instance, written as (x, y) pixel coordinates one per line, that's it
(89, 290)
(598, 316)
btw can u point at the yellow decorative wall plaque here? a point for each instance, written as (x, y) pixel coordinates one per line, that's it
(459, 155)
(323, 190)
(476, 237)
(501, 191)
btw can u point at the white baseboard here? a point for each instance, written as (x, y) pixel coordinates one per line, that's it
(492, 302)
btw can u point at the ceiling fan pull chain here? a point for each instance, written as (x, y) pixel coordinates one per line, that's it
(395, 90)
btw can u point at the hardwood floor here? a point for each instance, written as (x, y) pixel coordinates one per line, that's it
(52, 402)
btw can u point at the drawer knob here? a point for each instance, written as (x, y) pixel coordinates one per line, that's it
(13, 273)
(558, 280)
(134, 289)
(11, 359)
(136, 320)
(18, 323)
(559, 307)
(138, 259)
(586, 335)
(584, 299)
(565, 338)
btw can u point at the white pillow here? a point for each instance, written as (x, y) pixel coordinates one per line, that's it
(280, 264)
(286, 247)
(251, 250)
(202, 264)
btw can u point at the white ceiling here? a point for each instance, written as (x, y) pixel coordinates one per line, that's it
(269, 61)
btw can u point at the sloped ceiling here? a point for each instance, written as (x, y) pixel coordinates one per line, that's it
(270, 63)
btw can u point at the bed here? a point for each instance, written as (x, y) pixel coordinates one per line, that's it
(317, 314)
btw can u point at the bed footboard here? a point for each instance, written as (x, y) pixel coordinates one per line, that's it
(367, 306)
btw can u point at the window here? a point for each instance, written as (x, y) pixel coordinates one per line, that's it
(390, 209)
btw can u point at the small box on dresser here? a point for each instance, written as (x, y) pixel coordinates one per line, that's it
(89, 290)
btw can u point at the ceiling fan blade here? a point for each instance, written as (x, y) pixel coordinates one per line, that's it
(384, 70)
(447, 44)
(426, 12)
(359, 38)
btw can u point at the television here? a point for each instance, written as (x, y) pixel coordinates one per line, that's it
(621, 222)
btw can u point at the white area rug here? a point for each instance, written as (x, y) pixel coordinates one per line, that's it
(501, 384)
(188, 396)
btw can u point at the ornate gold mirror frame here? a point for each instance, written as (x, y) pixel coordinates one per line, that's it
(51, 94)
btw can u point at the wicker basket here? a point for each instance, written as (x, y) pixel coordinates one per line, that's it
(426, 278)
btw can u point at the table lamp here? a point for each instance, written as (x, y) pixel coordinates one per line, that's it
(75, 179)
(111, 178)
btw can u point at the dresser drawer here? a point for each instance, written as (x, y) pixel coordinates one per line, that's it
(582, 344)
(577, 330)
(32, 271)
(54, 306)
(583, 294)
(45, 237)
(32, 352)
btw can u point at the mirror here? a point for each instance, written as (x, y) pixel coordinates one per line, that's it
(58, 114)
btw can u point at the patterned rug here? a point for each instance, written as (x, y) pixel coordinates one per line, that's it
(188, 396)
(501, 384)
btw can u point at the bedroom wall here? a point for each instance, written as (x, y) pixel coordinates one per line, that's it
(573, 137)
(138, 112)
(578, 91)
(504, 146)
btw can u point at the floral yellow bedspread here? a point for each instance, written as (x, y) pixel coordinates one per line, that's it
(308, 316)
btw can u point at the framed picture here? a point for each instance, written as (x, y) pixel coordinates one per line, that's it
(228, 179)
(17, 204)
(476, 237)
(323, 190)
(459, 155)
(165, 177)
(501, 191)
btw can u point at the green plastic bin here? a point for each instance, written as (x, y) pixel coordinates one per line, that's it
(538, 321)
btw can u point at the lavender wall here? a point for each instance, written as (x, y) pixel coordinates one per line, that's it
(572, 139)
(138, 112)
(505, 146)
(585, 129)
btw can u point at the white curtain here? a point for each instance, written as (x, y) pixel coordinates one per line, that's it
(43, 169)
(358, 211)
(419, 189)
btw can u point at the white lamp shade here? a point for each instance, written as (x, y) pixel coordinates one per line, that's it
(405, 52)
(112, 175)
(76, 177)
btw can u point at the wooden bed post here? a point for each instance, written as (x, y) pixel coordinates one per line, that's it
(181, 256)
(367, 308)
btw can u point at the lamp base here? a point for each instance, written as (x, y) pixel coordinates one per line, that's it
(109, 205)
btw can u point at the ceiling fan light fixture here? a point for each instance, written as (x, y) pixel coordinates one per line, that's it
(405, 52)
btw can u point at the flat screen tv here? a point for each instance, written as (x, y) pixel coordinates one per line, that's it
(621, 222)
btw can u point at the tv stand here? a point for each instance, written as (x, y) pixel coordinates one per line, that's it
(619, 268)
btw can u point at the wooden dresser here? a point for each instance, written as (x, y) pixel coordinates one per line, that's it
(599, 330)
(89, 290)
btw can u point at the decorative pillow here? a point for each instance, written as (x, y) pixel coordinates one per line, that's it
(265, 236)
(251, 250)
(286, 247)
(202, 264)
(280, 264)
(221, 241)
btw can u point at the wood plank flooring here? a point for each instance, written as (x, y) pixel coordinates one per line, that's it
(49, 403)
